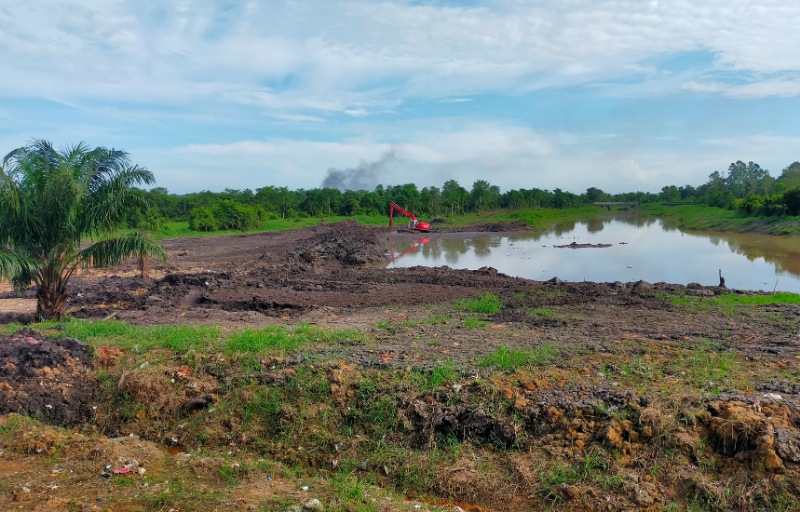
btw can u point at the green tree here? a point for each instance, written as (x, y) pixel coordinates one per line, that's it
(790, 177)
(484, 195)
(454, 196)
(53, 200)
(670, 194)
(595, 195)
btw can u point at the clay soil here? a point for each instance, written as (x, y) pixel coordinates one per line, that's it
(622, 376)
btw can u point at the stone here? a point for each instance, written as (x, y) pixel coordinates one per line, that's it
(314, 505)
(570, 492)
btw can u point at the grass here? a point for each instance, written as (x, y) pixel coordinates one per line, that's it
(179, 338)
(179, 229)
(593, 468)
(7, 329)
(322, 411)
(472, 322)
(535, 218)
(711, 218)
(488, 303)
(710, 369)
(731, 299)
(442, 373)
(187, 338)
(506, 358)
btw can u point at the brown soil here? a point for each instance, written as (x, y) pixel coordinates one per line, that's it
(628, 380)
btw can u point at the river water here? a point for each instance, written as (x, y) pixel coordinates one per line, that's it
(639, 247)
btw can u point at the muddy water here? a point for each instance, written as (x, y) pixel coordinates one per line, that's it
(639, 247)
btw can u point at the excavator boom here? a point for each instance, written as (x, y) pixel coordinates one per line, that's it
(414, 224)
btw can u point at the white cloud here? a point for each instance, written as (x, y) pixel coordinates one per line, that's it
(338, 52)
(271, 73)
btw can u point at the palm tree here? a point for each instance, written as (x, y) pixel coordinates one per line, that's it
(53, 200)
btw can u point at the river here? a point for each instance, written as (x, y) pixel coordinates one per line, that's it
(637, 247)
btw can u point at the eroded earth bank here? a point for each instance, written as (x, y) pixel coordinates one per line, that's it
(292, 371)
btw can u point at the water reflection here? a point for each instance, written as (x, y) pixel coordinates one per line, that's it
(642, 247)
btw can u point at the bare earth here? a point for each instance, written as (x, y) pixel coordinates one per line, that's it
(334, 276)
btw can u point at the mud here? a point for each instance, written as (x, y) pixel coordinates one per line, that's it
(629, 376)
(44, 378)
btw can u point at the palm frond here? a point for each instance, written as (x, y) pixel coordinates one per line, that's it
(17, 267)
(115, 251)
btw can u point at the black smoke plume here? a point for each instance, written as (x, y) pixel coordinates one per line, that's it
(365, 176)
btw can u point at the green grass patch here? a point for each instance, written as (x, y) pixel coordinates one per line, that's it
(441, 319)
(475, 323)
(488, 303)
(711, 218)
(14, 424)
(179, 229)
(710, 369)
(731, 301)
(726, 299)
(281, 339)
(428, 380)
(543, 312)
(179, 338)
(506, 358)
(8, 329)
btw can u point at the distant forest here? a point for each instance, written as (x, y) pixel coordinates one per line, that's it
(745, 187)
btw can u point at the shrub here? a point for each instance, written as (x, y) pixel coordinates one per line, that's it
(202, 219)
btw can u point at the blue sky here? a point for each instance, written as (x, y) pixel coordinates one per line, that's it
(622, 95)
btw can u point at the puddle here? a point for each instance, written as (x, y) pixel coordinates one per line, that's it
(617, 249)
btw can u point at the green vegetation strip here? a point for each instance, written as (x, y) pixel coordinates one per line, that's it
(730, 299)
(506, 358)
(187, 338)
(488, 303)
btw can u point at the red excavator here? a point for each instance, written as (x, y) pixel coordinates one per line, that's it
(414, 224)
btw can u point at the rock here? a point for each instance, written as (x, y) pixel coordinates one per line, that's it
(295, 360)
(614, 435)
(154, 298)
(314, 505)
(787, 444)
(569, 492)
(643, 494)
(642, 285)
(771, 460)
(194, 404)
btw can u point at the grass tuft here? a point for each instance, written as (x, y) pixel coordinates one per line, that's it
(507, 358)
(488, 303)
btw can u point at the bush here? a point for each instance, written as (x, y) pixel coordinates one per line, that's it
(232, 215)
(202, 219)
(791, 199)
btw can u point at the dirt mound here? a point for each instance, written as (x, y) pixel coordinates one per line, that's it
(346, 242)
(502, 227)
(761, 434)
(48, 379)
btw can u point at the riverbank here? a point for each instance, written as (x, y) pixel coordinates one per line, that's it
(264, 372)
(709, 218)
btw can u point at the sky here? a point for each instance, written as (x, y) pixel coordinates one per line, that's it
(623, 95)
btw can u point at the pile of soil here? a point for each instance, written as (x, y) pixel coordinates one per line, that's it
(347, 242)
(48, 379)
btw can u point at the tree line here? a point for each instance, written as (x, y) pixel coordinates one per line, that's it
(245, 209)
(746, 187)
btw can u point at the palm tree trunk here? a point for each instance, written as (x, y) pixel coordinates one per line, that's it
(144, 268)
(51, 301)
